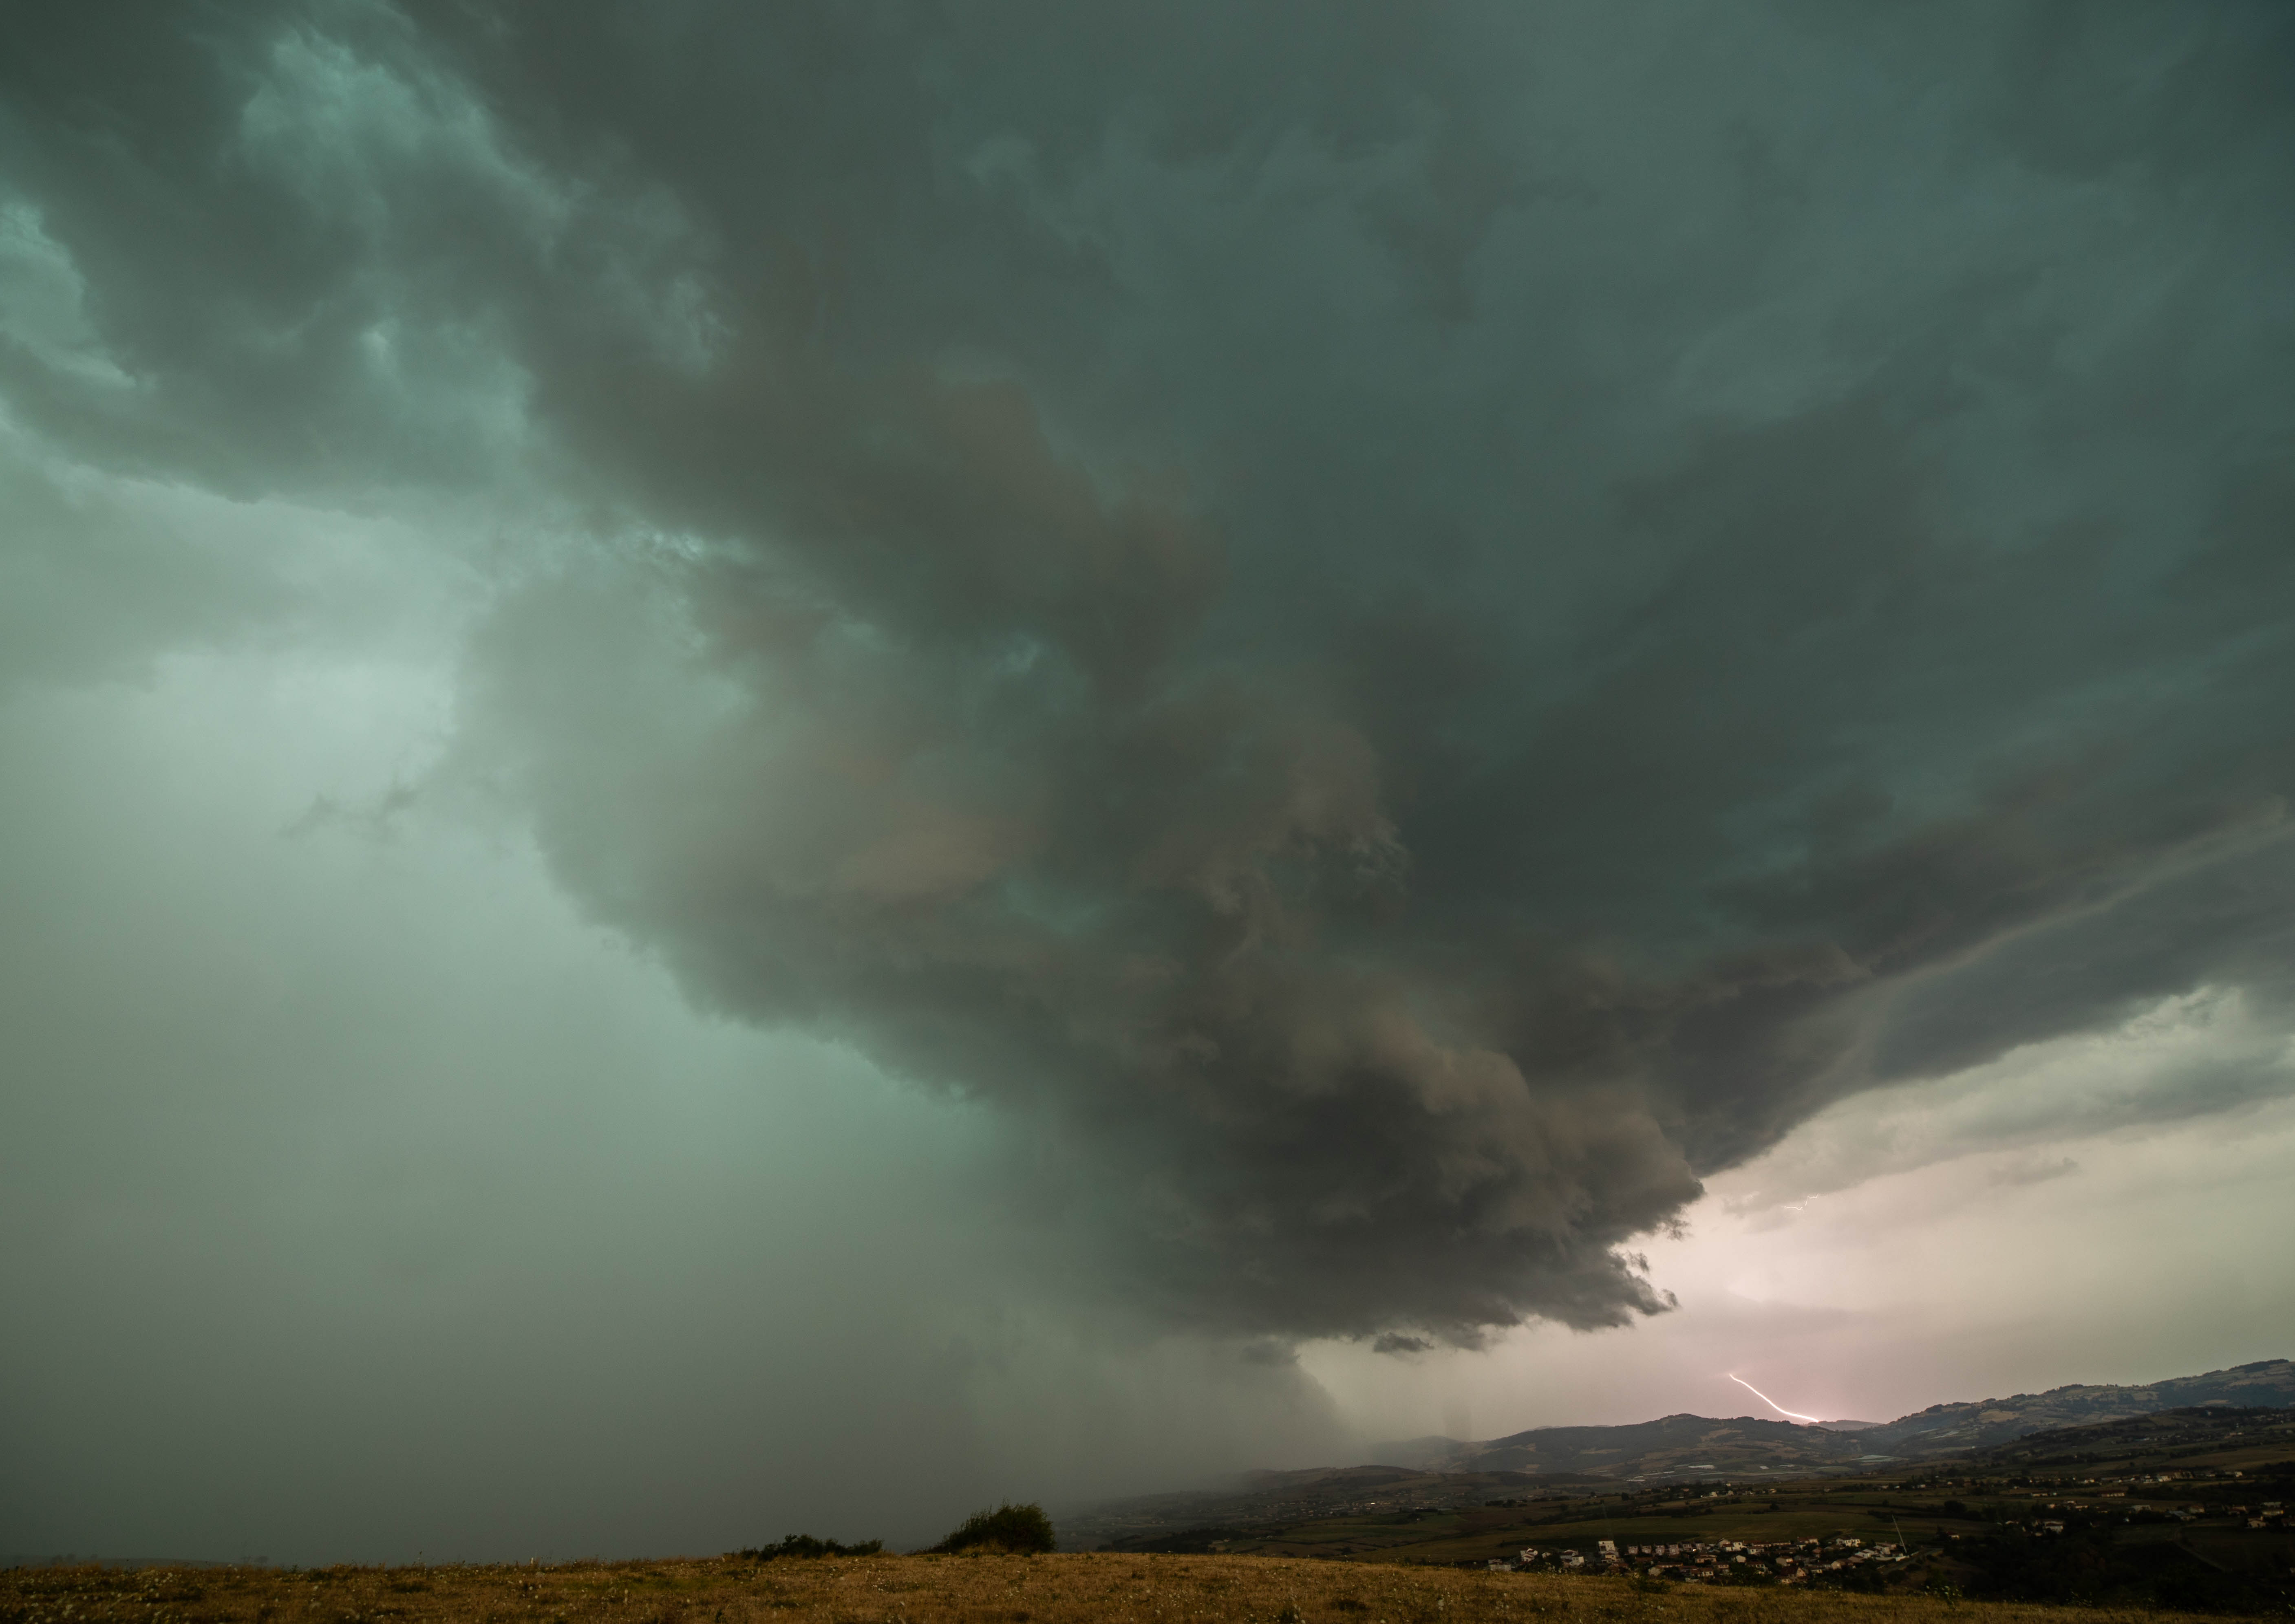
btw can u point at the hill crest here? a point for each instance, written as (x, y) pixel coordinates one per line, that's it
(1753, 1443)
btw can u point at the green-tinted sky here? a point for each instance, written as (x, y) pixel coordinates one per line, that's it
(772, 767)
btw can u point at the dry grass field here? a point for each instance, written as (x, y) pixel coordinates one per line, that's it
(988, 1589)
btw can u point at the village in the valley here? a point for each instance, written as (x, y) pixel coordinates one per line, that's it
(1788, 1561)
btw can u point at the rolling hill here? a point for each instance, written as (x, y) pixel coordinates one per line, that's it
(1685, 1443)
(1426, 1475)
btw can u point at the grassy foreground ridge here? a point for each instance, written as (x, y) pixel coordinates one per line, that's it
(1048, 1590)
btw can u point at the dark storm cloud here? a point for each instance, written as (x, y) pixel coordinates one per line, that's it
(1401, 631)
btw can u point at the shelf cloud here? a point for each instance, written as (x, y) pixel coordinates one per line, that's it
(1396, 634)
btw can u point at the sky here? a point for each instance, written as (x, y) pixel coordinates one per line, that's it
(791, 768)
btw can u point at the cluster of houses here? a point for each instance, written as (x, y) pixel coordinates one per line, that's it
(2269, 1514)
(1787, 1562)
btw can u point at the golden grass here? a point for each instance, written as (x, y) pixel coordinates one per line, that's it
(1062, 1589)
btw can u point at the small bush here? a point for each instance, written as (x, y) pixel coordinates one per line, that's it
(1019, 1529)
(805, 1544)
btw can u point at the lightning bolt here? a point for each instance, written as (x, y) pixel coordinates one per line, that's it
(1772, 1403)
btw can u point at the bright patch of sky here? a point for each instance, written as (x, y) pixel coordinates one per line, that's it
(2007, 1230)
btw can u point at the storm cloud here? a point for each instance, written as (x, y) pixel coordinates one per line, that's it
(1397, 632)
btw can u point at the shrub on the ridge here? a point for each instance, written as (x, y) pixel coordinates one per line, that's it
(1017, 1528)
(805, 1544)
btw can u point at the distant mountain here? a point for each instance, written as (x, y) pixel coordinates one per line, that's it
(1674, 1443)
(1419, 1452)
(1419, 1476)
(2242, 1436)
(1944, 1427)
(1748, 1445)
